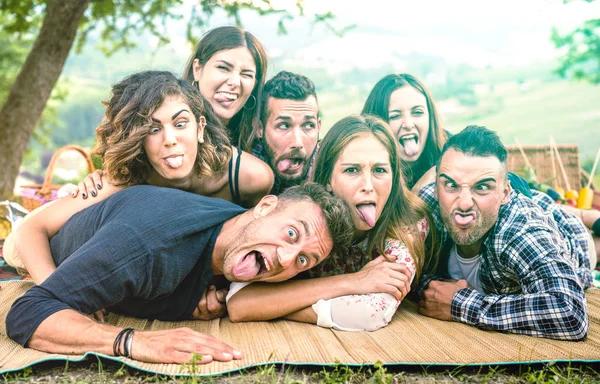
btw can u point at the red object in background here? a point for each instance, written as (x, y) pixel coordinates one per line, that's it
(571, 202)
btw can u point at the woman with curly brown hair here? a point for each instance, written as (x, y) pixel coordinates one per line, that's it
(157, 130)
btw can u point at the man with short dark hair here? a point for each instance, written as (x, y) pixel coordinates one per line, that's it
(150, 252)
(512, 263)
(289, 131)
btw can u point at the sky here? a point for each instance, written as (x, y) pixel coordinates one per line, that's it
(479, 32)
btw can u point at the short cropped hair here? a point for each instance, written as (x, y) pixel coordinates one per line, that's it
(476, 140)
(335, 210)
(286, 85)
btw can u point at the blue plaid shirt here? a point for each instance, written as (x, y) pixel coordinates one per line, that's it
(534, 268)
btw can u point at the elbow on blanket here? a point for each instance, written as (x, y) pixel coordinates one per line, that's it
(577, 327)
(15, 329)
(574, 322)
(238, 314)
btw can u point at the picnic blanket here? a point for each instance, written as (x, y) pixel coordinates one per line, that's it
(410, 339)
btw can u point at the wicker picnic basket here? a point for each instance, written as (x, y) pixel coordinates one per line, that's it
(35, 195)
(546, 165)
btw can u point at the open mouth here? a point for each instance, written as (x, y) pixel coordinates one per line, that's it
(225, 96)
(367, 212)
(251, 266)
(410, 144)
(291, 165)
(174, 161)
(464, 220)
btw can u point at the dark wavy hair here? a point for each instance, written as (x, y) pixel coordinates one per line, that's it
(128, 118)
(378, 103)
(286, 85)
(403, 210)
(242, 126)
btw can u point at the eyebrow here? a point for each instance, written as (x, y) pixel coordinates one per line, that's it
(416, 106)
(288, 118)
(172, 117)
(486, 180)
(376, 164)
(231, 65)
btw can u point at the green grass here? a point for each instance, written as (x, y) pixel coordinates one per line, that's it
(568, 111)
(109, 371)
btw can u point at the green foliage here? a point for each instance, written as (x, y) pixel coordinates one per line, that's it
(581, 60)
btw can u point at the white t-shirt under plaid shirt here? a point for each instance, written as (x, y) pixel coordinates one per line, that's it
(534, 268)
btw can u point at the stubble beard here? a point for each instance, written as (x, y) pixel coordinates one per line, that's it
(471, 236)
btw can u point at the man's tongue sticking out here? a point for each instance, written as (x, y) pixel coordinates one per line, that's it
(247, 268)
(463, 219)
(284, 165)
(368, 213)
(410, 146)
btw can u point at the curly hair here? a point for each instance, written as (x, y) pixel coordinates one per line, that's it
(128, 118)
(378, 103)
(242, 127)
(403, 209)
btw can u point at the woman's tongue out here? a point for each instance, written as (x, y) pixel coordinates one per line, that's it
(247, 268)
(368, 213)
(410, 146)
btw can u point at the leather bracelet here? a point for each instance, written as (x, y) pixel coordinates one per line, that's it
(128, 343)
(118, 339)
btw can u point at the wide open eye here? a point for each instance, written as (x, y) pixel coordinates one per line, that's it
(303, 260)
(292, 233)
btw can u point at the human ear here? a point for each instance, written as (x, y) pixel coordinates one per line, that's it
(197, 69)
(201, 125)
(506, 193)
(260, 130)
(265, 206)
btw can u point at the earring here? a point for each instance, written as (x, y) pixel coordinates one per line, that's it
(195, 84)
(253, 106)
(201, 140)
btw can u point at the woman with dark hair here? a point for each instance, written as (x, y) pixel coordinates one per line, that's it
(357, 161)
(407, 106)
(229, 66)
(157, 130)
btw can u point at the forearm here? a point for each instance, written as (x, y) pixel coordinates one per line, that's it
(69, 332)
(553, 314)
(305, 315)
(266, 301)
(33, 247)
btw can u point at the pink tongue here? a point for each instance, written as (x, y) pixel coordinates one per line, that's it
(247, 268)
(410, 146)
(284, 165)
(463, 220)
(367, 212)
(222, 98)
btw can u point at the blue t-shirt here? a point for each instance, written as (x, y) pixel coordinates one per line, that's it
(145, 252)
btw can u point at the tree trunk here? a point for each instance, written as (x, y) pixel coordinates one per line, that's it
(30, 92)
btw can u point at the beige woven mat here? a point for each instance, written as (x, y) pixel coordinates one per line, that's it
(409, 339)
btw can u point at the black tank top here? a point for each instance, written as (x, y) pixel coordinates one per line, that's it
(234, 187)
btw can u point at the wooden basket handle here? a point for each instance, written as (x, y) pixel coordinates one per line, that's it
(50, 171)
